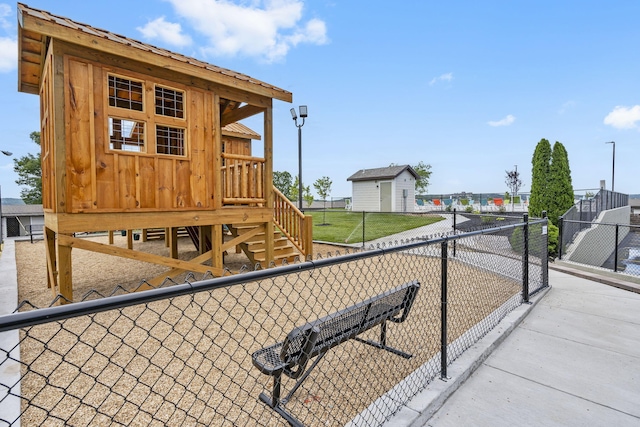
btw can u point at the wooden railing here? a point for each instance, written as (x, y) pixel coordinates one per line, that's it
(294, 224)
(242, 180)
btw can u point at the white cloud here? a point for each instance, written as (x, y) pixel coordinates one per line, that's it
(265, 29)
(8, 54)
(441, 78)
(167, 32)
(504, 122)
(566, 106)
(5, 12)
(623, 117)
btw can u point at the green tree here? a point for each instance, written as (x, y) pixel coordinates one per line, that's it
(307, 196)
(539, 199)
(282, 181)
(424, 171)
(29, 170)
(560, 187)
(306, 193)
(323, 188)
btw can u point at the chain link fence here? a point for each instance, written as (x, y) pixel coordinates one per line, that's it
(366, 229)
(182, 354)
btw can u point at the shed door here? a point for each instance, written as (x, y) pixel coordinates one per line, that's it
(385, 197)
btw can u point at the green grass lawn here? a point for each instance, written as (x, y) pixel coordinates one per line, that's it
(346, 227)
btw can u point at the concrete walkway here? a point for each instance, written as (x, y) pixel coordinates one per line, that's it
(574, 360)
(9, 341)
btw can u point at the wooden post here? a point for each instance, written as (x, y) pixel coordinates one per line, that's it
(64, 271)
(216, 246)
(111, 237)
(308, 236)
(167, 231)
(204, 233)
(268, 183)
(50, 247)
(144, 234)
(130, 239)
(173, 242)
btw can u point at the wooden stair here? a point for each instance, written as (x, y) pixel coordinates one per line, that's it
(254, 246)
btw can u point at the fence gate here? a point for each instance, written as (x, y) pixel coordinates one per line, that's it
(13, 227)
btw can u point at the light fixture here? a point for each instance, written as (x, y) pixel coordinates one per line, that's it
(303, 115)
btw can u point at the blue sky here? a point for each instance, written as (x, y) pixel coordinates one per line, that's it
(468, 87)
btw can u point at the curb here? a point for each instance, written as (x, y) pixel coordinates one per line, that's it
(605, 280)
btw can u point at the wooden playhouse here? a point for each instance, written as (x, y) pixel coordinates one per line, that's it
(137, 137)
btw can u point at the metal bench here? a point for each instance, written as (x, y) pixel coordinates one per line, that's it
(316, 338)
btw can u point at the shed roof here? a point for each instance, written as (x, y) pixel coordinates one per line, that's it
(22, 210)
(389, 172)
(37, 26)
(241, 131)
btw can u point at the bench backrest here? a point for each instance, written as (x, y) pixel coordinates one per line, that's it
(320, 335)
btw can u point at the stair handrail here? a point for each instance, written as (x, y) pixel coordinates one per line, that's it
(293, 223)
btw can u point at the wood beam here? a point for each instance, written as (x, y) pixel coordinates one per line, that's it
(242, 238)
(64, 267)
(50, 247)
(216, 246)
(239, 114)
(157, 281)
(100, 221)
(74, 242)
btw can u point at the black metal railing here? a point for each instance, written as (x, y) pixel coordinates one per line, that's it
(181, 354)
(580, 215)
(612, 246)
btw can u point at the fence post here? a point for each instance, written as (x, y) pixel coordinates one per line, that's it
(615, 251)
(525, 258)
(560, 228)
(363, 244)
(545, 252)
(454, 232)
(443, 310)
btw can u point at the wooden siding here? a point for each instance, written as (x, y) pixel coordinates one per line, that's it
(103, 179)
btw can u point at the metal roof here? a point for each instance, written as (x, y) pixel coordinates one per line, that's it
(36, 26)
(389, 172)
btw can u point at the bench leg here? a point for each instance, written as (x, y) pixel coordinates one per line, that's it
(274, 401)
(302, 378)
(383, 343)
(280, 410)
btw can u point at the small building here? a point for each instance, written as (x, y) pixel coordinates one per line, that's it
(389, 189)
(22, 220)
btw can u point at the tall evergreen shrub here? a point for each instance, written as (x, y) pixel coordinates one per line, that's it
(541, 162)
(560, 186)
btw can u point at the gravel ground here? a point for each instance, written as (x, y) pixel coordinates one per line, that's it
(187, 361)
(95, 272)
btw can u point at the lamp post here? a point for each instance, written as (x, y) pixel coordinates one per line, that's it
(613, 165)
(303, 115)
(8, 154)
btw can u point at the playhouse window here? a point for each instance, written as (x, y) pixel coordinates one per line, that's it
(169, 102)
(169, 140)
(125, 93)
(126, 135)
